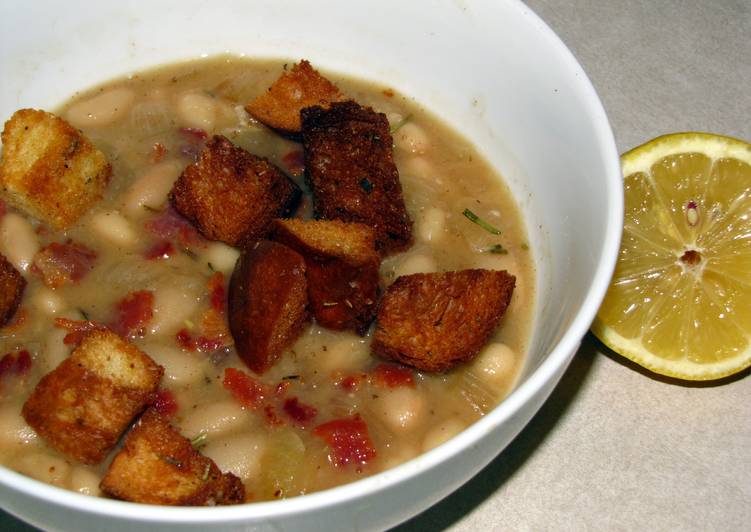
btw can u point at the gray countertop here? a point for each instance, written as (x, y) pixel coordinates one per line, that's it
(615, 448)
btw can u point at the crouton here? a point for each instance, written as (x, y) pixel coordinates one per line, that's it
(12, 285)
(268, 295)
(83, 406)
(279, 107)
(231, 195)
(350, 167)
(158, 465)
(433, 321)
(50, 169)
(341, 264)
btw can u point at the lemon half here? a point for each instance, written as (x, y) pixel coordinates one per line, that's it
(679, 303)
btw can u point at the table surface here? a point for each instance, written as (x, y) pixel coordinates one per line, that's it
(615, 448)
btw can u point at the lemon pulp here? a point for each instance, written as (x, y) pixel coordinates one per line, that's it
(680, 299)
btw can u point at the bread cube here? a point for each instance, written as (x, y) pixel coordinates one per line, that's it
(279, 107)
(341, 264)
(268, 295)
(83, 406)
(231, 195)
(12, 285)
(158, 465)
(350, 168)
(50, 169)
(434, 321)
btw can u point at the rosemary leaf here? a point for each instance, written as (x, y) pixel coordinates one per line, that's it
(479, 221)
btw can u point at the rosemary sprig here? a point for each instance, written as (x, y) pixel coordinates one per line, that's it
(472, 217)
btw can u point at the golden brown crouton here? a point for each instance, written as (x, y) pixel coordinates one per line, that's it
(12, 285)
(433, 321)
(83, 406)
(158, 465)
(280, 106)
(268, 294)
(50, 169)
(350, 167)
(232, 195)
(341, 265)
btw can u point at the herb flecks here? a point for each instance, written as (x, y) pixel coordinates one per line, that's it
(496, 249)
(400, 124)
(472, 217)
(200, 440)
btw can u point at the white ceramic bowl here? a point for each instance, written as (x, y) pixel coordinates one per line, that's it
(489, 67)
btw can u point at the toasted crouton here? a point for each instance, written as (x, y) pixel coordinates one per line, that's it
(158, 465)
(350, 167)
(83, 406)
(280, 106)
(341, 265)
(268, 294)
(12, 285)
(50, 169)
(231, 195)
(433, 321)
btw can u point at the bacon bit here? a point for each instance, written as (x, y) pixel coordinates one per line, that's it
(161, 250)
(165, 403)
(351, 383)
(17, 363)
(217, 292)
(133, 313)
(77, 329)
(194, 133)
(58, 264)
(185, 340)
(158, 151)
(393, 376)
(209, 345)
(169, 225)
(271, 417)
(348, 440)
(201, 343)
(294, 161)
(195, 138)
(244, 388)
(214, 325)
(299, 412)
(388, 93)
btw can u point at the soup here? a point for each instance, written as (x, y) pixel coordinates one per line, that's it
(142, 254)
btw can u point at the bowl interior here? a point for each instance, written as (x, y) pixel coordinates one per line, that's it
(491, 69)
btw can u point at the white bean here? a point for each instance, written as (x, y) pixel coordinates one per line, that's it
(85, 481)
(102, 109)
(54, 350)
(18, 240)
(344, 351)
(172, 306)
(179, 367)
(216, 419)
(416, 263)
(221, 256)
(151, 188)
(239, 454)
(442, 432)
(401, 409)
(47, 301)
(114, 228)
(13, 427)
(44, 467)
(412, 138)
(431, 225)
(495, 364)
(196, 109)
(404, 451)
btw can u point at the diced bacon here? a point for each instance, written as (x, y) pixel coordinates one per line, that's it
(271, 417)
(58, 264)
(214, 325)
(351, 383)
(161, 250)
(217, 292)
(185, 340)
(393, 376)
(17, 363)
(169, 225)
(204, 344)
(348, 441)
(158, 151)
(299, 412)
(194, 133)
(245, 389)
(294, 162)
(195, 140)
(165, 403)
(133, 312)
(77, 329)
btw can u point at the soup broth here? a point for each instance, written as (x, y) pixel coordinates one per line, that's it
(151, 125)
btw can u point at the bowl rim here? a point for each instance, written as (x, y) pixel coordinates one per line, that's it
(551, 367)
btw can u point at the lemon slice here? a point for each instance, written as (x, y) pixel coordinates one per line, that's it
(679, 303)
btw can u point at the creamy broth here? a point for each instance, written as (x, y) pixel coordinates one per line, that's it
(150, 126)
